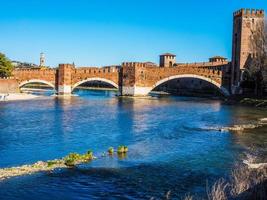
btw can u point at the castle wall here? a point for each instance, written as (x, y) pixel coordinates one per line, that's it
(245, 24)
(83, 73)
(23, 75)
(9, 85)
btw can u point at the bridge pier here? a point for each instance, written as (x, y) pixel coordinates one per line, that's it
(64, 79)
(133, 81)
(135, 91)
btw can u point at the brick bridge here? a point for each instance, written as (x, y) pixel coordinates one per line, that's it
(131, 78)
(135, 79)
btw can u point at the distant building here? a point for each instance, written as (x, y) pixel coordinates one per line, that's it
(18, 64)
(217, 59)
(167, 60)
(42, 60)
(151, 64)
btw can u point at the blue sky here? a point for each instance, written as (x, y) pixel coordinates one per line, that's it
(103, 32)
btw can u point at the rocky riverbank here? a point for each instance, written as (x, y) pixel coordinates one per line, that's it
(241, 127)
(245, 101)
(66, 162)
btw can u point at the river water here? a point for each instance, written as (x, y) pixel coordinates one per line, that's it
(174, 145)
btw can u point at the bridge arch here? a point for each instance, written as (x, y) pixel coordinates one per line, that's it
(36, 81)
(222, 89)
(95, 79)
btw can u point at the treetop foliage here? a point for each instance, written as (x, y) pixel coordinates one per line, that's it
(5, 66)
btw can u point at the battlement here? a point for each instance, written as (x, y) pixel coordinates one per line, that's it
(94, 70)
(7, 78)
(249, 13)
(134, 64)
(35, 70)
(69, 66)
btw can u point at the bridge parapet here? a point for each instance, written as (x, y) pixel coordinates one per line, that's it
(24, 76)
(106, 74)
(203, 64)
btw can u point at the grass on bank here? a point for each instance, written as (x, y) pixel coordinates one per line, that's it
(243, 184)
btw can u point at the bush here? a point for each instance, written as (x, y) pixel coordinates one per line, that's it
(50, 163)
(70, 162)
(88, 156)
(110, 150)
(122, 149)
(71, 159)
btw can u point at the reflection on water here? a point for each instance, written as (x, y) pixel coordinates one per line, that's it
(171, 145)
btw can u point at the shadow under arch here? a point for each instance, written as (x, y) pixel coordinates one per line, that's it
(95, 79)
(222, 89)
(36, 81)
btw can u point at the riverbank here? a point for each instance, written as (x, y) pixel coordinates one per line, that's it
(244, 183)
(16, 96)
(247, 101)
(254, 102)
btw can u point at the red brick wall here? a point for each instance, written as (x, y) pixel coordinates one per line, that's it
(9, 85)
(109, 73)
(141, 75)
(22, 75)
(65, 74)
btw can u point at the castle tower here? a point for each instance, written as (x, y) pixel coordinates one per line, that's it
(42, 60)
(167, 60)
(246, 23)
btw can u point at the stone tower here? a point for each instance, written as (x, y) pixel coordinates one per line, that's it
(245, 24)
(167, 60)
(42, 60)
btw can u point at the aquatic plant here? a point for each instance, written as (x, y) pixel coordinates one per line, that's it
(74, 158)
(51, 163)
(70, 160)
(125, 149)
(110, 150)
(88, 156)
(122, 149)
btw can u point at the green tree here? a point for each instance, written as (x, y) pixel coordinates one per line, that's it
(5, 66)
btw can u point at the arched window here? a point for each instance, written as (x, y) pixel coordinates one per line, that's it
(170, 64)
